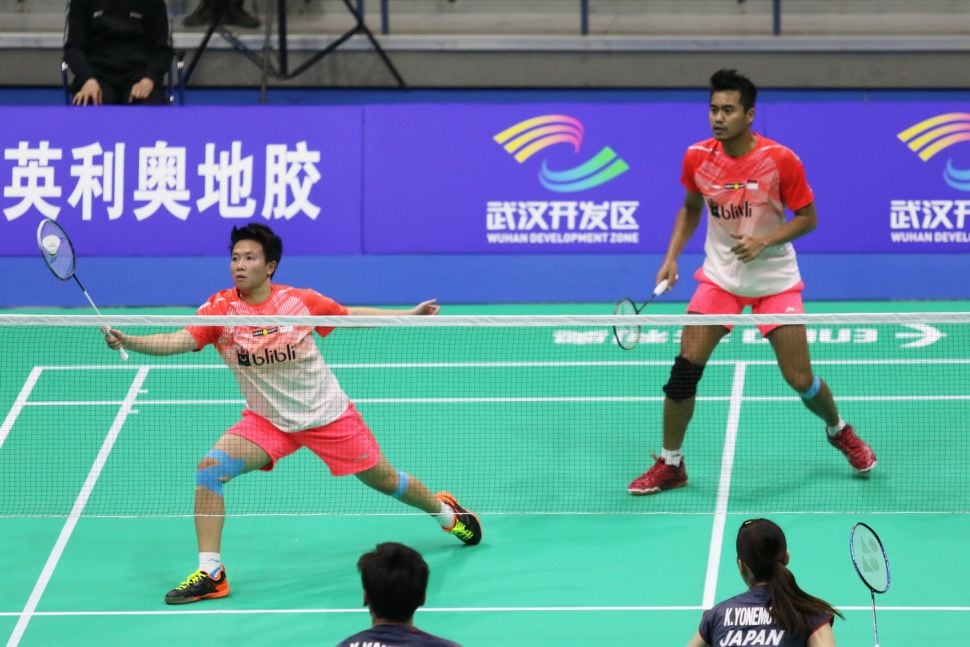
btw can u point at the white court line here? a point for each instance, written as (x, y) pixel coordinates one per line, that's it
(472, 400)
(579, 364)
(19, 403)
(355, 610)
(724, 486)
(79, 503)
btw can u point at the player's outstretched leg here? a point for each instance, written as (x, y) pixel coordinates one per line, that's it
(443, 507)
(818, 399)
(200, 586)
(790, 344)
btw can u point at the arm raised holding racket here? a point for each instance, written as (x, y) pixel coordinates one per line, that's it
(172, 343)
(429, 307)
(688, 217)
(182, 341)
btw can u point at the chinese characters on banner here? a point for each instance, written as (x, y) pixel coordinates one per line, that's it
(174, 182)
(98, 175)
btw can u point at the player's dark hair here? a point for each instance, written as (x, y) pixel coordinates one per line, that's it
(762, 547)
(395, 578)
(728, 80)
(271, 243)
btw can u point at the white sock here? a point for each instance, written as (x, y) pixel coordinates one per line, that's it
(833, 431)
(210, 563)
(671, 457)
(445, 516)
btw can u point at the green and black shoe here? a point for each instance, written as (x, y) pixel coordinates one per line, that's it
(466, 526)
(199, 586)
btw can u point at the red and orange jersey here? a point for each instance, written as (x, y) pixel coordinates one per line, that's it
(747, 195)
(280, 370)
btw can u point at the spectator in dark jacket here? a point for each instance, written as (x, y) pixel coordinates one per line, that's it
(118, 50)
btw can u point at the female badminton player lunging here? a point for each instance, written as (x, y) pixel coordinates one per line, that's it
(292, 402)
(774, 610)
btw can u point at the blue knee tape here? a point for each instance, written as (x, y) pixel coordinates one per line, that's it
(402, 485)
(215, 476)
(812, 391)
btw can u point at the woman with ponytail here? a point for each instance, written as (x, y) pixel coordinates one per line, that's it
(774, 610)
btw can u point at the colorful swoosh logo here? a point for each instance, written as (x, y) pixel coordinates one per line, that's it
(936, 134)
(528, 137)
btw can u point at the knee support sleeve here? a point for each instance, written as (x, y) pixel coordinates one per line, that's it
(402, 485)
(813, 390)
(215, 476)
(684, 377)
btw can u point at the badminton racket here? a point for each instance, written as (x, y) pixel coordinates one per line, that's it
(58, 253)
(628, 335)
(872, 565)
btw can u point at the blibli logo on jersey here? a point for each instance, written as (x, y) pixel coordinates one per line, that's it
(730, 212)
(265, 356)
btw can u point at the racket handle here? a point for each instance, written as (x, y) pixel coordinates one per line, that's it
(661, 287)
(122, 353)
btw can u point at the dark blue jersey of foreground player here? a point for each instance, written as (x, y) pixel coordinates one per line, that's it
(744, 620)
(395, 636)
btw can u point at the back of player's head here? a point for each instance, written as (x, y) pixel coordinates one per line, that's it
(762, 547)
(395, 578)
(271, 243)
(728, 80)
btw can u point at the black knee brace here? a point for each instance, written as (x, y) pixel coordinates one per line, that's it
(684, 377)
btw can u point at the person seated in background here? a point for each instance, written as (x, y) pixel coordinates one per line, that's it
(232, 14)
(774, 610)
(395, 578)
(118, 51)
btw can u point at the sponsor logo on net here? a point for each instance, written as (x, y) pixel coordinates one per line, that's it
(562, 221)
(930, 220)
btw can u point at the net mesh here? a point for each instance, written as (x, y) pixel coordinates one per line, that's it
(512, 414)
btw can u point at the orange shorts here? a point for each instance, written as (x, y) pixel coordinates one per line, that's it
(711, 299)
(346, 445)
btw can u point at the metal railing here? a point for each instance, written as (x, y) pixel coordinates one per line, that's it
(583, 16)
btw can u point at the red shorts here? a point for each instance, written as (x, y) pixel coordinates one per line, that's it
(346, 445)
(711, 299)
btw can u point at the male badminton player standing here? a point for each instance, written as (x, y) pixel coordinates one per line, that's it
(747, 182)
(292, 401)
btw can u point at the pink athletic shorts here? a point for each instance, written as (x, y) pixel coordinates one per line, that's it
(711, 299)
(346, 445)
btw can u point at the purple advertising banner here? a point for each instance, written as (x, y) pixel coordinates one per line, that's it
(161, 182)
(889, 176)
(529, 178)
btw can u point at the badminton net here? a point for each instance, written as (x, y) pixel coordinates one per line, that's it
(512, 414)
